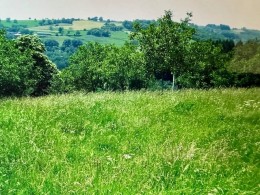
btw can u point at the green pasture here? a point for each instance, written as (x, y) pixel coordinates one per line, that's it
(161, 142)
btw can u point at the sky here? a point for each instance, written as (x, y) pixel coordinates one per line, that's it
(236, 13)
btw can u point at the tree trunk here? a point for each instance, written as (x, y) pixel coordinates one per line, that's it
(173, 81)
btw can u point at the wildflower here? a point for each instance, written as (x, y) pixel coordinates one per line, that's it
(127, 156)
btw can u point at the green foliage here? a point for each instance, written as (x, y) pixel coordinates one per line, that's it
(61, 30)
(246, 57)
(43, 69)
(206, 67)
(185, 142)
(57, 21)
(164, 45)
(168, 48)
(111, 27)
(227, 45)
(107, 67)
(99, 32)
(51, 43)
(14, 68)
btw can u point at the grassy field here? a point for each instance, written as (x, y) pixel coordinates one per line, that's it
(85, 24)
(183, 142)
(117, 38)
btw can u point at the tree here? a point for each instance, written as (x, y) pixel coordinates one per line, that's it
(99, 32)
(76, 43)
(169, 47)
(14, 68)
(43, 70)
(51, 45)
(107, 67)
(224, 27)
(77, 33)
(164, 45)
(61, 30)
(128, 25)
(205, 66)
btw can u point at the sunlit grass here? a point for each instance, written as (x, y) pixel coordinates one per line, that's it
(183, 142)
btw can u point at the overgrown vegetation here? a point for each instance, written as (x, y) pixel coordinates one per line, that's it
(183, 142)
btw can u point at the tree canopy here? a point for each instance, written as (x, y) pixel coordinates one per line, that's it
(24, 68)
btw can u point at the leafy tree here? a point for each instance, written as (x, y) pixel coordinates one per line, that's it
(76, 43)
(77, 33)
(95, 66)
(128, 25)
(164, 45)
(111, 27)
(61, 30)
(169, 47)
(205, 66)
(14, 68)
(71, 45)
(123, 68)
(224, 27)
(226, 45)
(43, 70)
(51, 43)
(25, 31)
(99, 32)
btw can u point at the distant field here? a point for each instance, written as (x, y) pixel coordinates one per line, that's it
(182, 142)
(85, 24)
(117, 38)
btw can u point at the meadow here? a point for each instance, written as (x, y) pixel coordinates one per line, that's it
(161, 142)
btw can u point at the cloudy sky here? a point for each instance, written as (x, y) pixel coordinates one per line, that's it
(236, 13)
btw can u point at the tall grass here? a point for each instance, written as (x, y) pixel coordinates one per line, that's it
(184, 142)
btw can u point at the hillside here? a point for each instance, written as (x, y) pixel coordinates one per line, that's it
(62, 31)
(183, 142)
(48, 30)
(222, 32)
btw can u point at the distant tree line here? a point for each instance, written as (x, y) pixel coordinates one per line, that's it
(129, 25)
(218, 27)
(105, 30)
(111, 27)
(99, 32)
(57, 21)
(96, 19)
